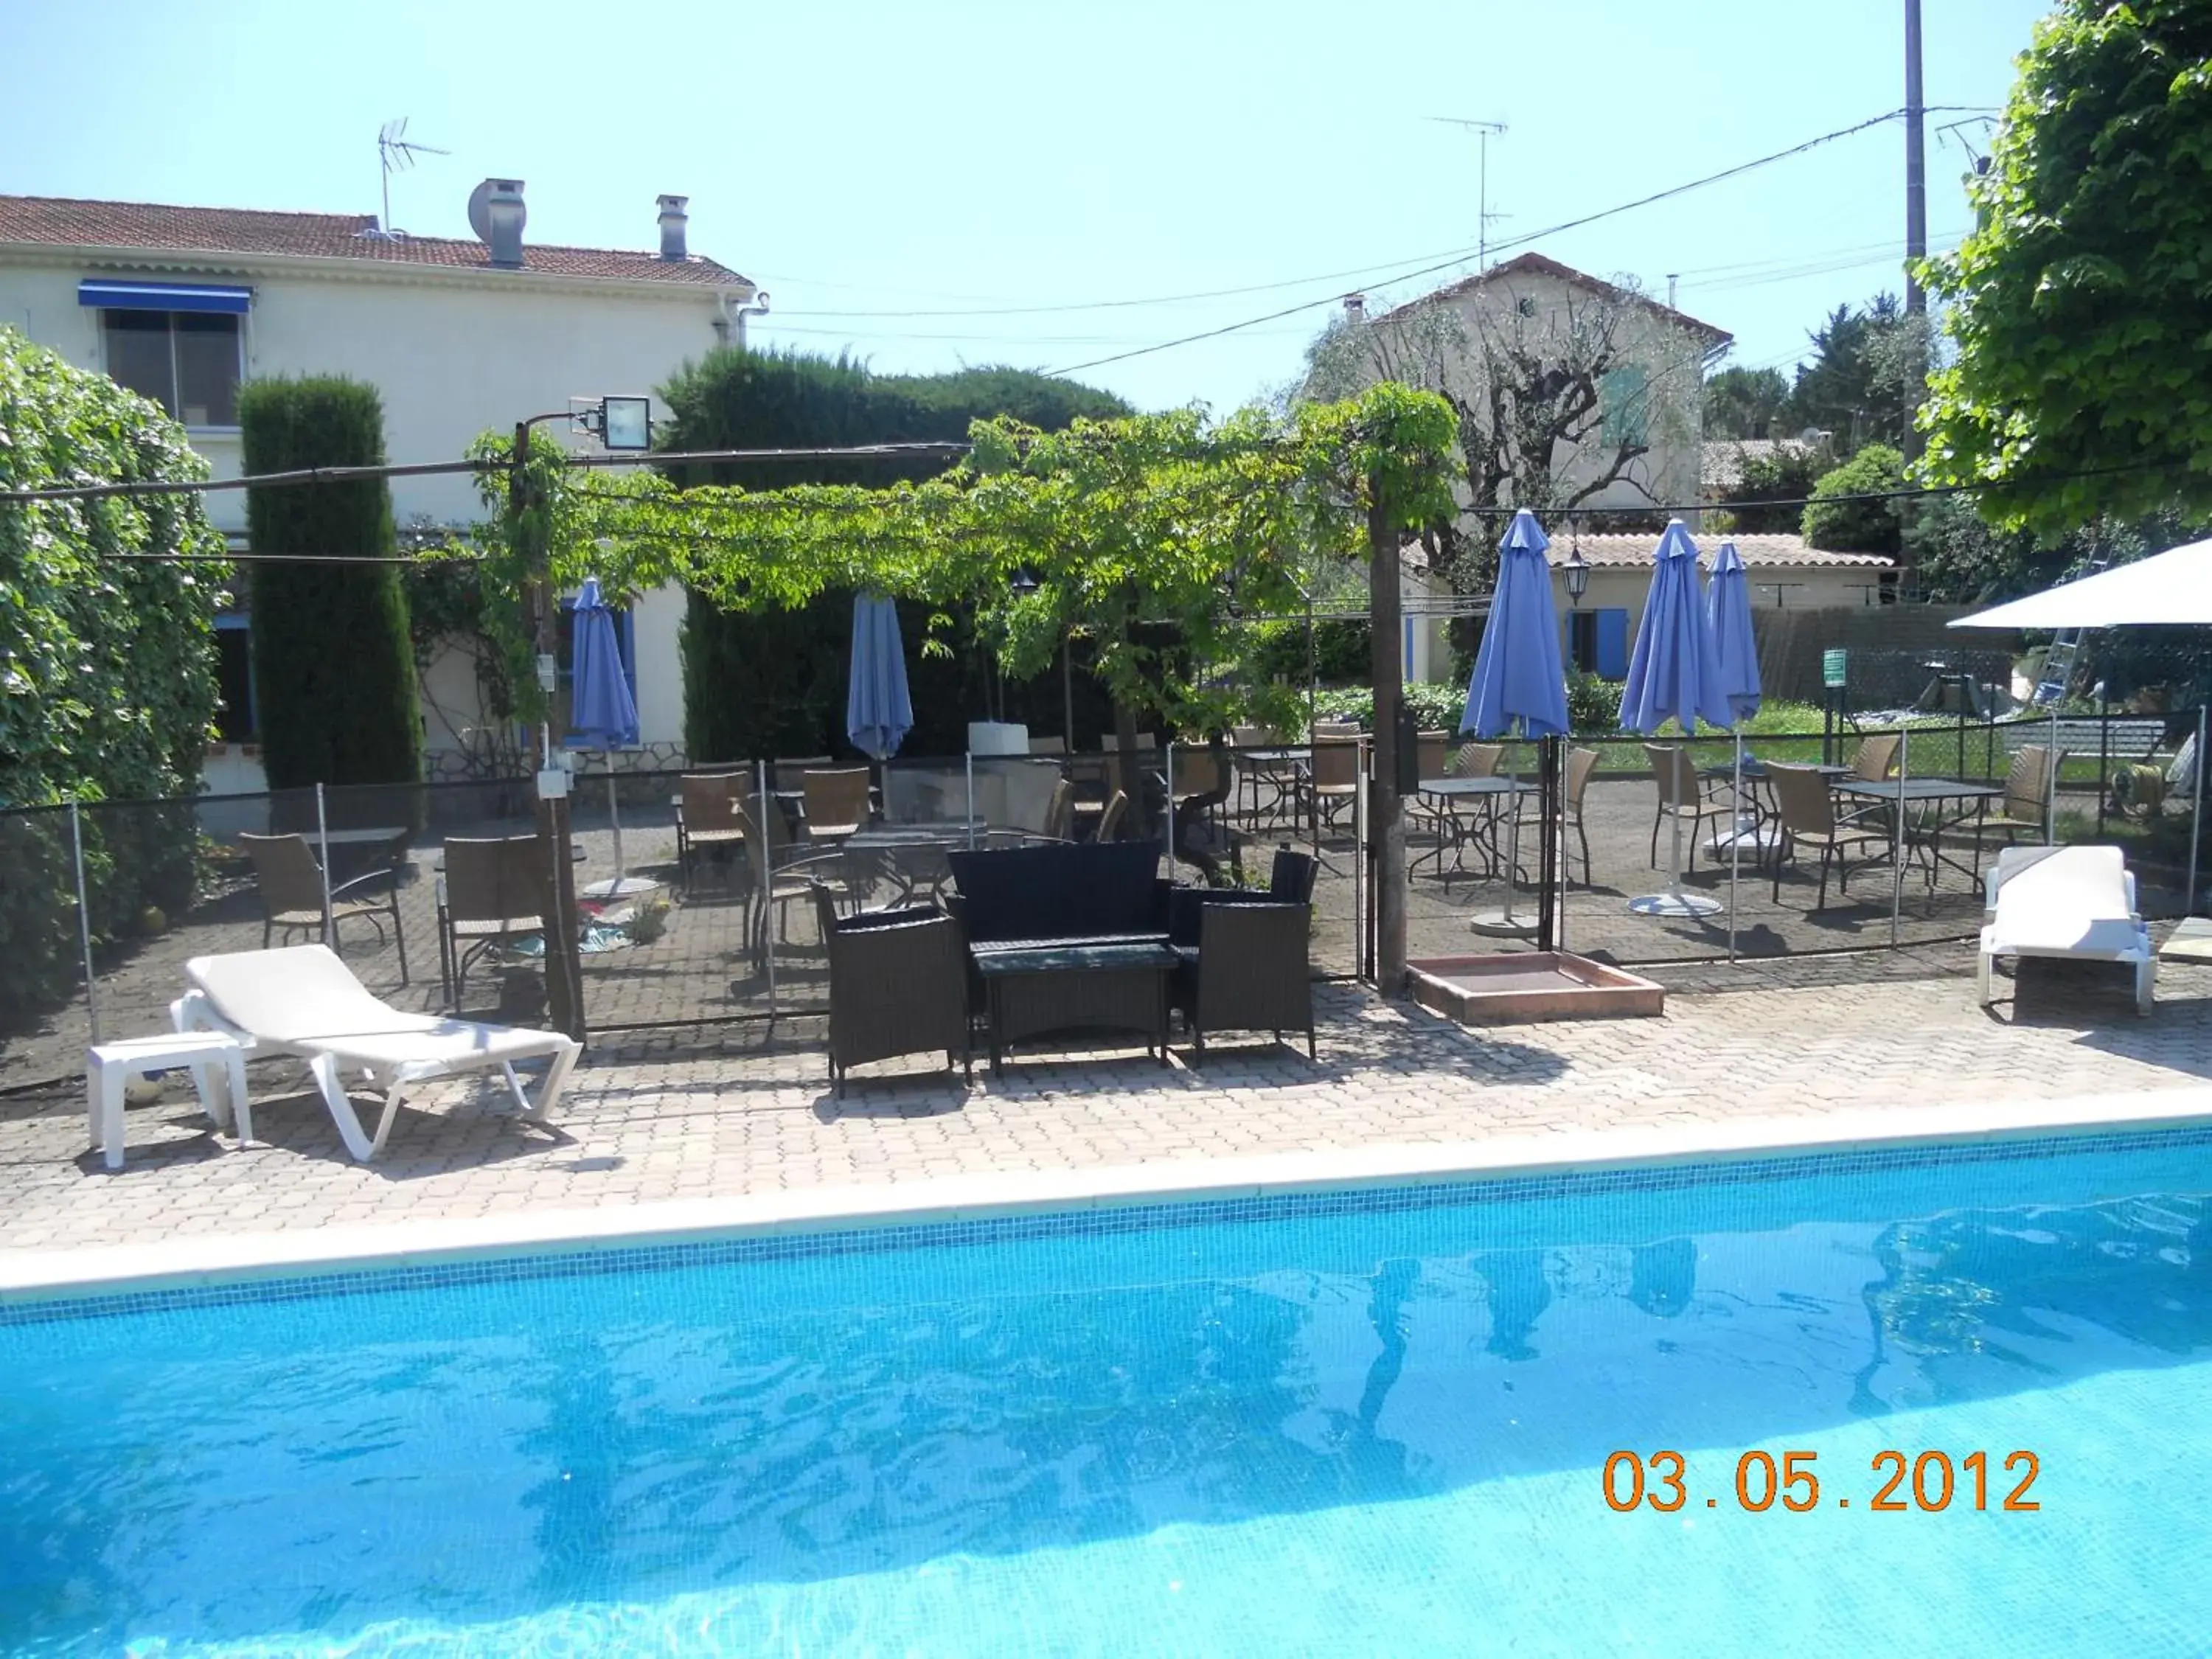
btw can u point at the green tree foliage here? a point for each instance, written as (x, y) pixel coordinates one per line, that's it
(334, 670)
(765, 683)
(1784, 475)
(1745, 403)
(1843, 526)
(1156, 540)
(1865, 378)
(107, 684)
(2081, 306)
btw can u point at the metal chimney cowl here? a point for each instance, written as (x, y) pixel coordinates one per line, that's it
(504, 209)
(673, 222)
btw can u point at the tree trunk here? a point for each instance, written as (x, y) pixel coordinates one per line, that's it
(1198, 824)
(1385, 827)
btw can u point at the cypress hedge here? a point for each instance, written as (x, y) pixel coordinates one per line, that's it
(774, 683)
(333, 670)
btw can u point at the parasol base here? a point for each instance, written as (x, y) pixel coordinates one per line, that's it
(1675, 904)
(1498, 924)
(626, 887)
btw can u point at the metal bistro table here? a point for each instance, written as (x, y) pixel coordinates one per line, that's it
(1034, 990)
(911, 855)
(1277, 766)
(1483, 830)
(1951, 802)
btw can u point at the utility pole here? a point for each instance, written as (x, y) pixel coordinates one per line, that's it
(1482, 131)
(1916, 197)
(564, 1001)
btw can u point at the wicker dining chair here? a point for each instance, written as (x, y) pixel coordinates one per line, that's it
(291, 885)
(2020, 813)
(1681, 793)
(1109, 821)
(1581, 763)
(837, 802)
(1332, 781)
(489, 896)
(706, 820)
(1875, 758)
(1808, 818)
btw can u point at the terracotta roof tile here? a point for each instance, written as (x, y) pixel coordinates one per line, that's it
(1759, 552)
(151, 228)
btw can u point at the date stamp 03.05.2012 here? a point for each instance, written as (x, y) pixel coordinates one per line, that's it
(1898, 1481)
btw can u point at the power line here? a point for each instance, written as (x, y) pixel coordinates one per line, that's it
(1519, 241)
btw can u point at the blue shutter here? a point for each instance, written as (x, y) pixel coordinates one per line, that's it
(1611, 643)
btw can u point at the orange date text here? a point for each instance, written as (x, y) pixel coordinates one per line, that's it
(1928, 1481)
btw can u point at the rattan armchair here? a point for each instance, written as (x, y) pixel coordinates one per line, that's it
(291, 885)
(1808, 817)
(1332, 778)
(899, 985)
(1250, 973)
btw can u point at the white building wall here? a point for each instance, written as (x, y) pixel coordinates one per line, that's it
(453, 354)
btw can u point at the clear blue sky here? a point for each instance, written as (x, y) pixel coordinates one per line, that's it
(975, 158)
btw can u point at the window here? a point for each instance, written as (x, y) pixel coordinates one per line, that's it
(185, 360)
(1625, 407)
(234, 673)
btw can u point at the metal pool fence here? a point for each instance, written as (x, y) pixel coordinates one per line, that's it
(101, 903)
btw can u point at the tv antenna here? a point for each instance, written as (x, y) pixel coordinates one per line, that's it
(396, 153)
(1483, 132)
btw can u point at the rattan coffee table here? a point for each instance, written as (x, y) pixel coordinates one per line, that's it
(1036, 990)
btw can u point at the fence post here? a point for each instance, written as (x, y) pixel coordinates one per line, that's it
(84, 925)
(323, 856)
(2197, 817)
(1170, 758)
(2051, 783)
(967, 761)
(1897, 831)
(766, 804)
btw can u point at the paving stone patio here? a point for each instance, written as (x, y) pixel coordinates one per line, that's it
(743, 1110)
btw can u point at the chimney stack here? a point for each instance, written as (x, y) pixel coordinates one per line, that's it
(1355, 307)
(672, 221)
(505, 217)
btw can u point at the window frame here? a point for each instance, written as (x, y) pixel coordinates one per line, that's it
(175, 403)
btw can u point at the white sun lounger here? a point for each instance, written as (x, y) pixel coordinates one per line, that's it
(2074, 902)
(303, 1001)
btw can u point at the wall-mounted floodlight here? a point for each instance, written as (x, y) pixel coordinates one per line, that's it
(626, 424)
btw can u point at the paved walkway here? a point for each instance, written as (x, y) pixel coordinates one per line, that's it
(731, 1115)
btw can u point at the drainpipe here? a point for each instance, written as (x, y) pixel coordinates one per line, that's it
(730, 325)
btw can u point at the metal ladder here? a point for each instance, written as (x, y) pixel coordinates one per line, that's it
(2065, 647)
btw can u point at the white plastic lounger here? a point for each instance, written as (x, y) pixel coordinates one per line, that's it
(303, 1001)
(2077, 901)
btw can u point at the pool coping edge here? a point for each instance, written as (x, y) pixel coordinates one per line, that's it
(49, 1274)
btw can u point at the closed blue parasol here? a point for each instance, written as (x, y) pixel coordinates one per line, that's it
(602, 714)
(877, 712)
(1728, 608)
(1675, 672)
(1517, 679)
(1517, 683)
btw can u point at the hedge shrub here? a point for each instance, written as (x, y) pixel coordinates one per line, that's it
(107, 682)
(1858, 527)
(333, 666)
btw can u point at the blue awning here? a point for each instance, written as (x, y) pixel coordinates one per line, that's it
(164, 296)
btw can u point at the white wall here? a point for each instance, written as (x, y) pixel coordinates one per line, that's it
(452, 357)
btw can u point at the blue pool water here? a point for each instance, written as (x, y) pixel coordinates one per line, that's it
(1373, 1424)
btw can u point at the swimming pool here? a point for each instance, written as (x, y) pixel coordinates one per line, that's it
(1378, 1421)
